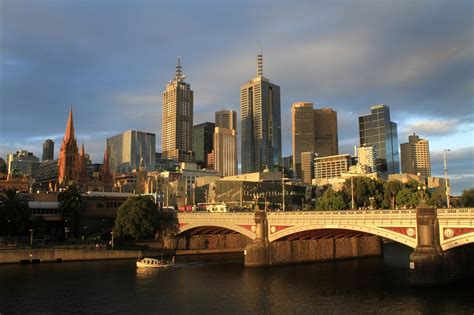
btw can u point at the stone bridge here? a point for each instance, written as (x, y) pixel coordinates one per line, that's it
(454, 227)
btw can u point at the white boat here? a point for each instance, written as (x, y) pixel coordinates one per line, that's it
(154, 263)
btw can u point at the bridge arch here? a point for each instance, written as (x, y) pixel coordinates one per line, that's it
(229, 226)
(456, 241)
(394, 236)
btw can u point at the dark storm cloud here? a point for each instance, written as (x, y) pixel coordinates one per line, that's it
(112, 60)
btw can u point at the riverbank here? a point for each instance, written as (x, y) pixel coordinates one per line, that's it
(15, 256)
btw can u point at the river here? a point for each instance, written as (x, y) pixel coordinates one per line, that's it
(220, 284)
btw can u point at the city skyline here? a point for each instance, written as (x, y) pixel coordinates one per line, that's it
(427, 85)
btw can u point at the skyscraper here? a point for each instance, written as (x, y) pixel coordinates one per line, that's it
(125, 151)
(325, 132)
(261, 123)
(313, 130)
(203, 142)
(68, 156)
(177, 121)
(226, 118)
(225, 143)
(377, 130)
(416, 156)
(48, 150)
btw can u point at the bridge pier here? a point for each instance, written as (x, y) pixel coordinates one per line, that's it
(429, 264)
(257, 253)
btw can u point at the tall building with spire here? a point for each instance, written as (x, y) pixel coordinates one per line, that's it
(82, 175)
(68, 156)
(177, 119)
(260, 122)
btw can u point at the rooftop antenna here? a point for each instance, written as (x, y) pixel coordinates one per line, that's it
(260, 60)
(179, 71)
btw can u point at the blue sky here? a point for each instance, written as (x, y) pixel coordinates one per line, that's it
(112, 60)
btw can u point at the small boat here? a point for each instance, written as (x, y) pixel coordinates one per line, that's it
(154, 263)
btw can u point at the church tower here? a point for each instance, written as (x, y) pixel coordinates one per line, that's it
(68, 156)
(107, 178)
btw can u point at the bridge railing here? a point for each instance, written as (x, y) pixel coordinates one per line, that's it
(362, 213)
(459, 212)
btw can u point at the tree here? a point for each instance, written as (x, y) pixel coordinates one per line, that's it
(407, 198)
(467, 197)
(137, 217)
(438, 198)
(72, 205)
(14, 209)
(391, 189)
(332, 200)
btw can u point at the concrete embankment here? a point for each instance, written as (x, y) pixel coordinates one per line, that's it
(303, 251)
(63, 254)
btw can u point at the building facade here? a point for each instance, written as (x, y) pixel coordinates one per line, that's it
(260, 123)
(366, 160)
(68, 159)
(48, 150)
(23, 163)
(307, 167)
(177, 119)
(313, 130)
(127, 149)
(415, 156)
(225, 151)
(377, 130)
(331, 166)
(226, 118)
(203, 142)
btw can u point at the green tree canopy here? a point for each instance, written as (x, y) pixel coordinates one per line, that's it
(467, 197)
(391, 189)
(438, 198)
(407, 198)
(72, 205)
(332, 200)
(137, 217)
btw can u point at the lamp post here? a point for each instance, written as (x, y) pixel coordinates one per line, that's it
(31, 237)
(112, 239)
(371, 199)
(66, 231)
(446, 177)
(422, 190)
(8, 237)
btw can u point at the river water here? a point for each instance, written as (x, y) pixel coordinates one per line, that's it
(221, 285)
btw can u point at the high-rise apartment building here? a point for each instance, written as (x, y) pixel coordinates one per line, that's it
(203, 142)
(313, 130)
(261, 123)
(48, 150)
(377, 130)
(225, 143)
(126, 150)
(415, 156)
(177, 119)
(226, 118)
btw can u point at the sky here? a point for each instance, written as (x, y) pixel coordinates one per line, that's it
(111, 61)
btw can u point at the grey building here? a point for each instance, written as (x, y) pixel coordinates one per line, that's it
(416, 156)
(203, 141)
(126, 150)
(377, 130)
(23, 162)
(48, 150)
(261, 123)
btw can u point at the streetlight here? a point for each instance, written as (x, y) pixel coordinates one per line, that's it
(422, 190)
(66, 230)
(31, 237)
(446, 177)
(112, 239)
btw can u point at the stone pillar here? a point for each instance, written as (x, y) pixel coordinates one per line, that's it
(429, 264)
(257, 253)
